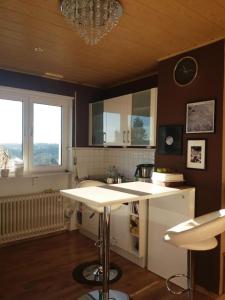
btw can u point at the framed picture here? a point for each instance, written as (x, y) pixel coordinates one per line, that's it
(170, 139)
(196, 154)
(200, 117)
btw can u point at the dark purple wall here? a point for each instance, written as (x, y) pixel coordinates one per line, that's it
(131, 87)
(172, 110)
(84, 95)
(172, 101)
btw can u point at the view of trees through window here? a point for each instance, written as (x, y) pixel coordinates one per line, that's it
(140, 130)
(14, 150)
(47, 132)
(11, 133)
(46, 154)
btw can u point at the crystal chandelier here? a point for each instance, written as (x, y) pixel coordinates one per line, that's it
(92, 18)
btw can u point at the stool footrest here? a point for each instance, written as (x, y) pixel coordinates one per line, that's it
(98, 243)
(171, 290)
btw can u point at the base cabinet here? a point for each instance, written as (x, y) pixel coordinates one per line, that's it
(164, 259)
(89, 220)
(119, 227)
(128, 228)
(137, 231)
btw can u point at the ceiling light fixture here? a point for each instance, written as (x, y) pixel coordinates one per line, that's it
(53, 75)
(93, 19)
(38, 49)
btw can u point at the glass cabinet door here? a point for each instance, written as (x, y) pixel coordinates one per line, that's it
(140, 118)
(97, 137)
(117, 113)
(143, 118)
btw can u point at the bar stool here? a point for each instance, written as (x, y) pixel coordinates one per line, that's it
(92, 272)
(195, 234)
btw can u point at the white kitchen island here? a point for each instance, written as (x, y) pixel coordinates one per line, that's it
(105, 196)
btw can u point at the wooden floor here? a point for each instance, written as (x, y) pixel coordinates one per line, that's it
(41, 270)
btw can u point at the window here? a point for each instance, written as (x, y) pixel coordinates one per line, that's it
(47, 135)
(11, 132)
(35, 127)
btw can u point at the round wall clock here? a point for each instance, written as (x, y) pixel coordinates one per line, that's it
(185, 71)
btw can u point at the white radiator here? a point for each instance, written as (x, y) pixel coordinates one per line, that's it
(30, 215)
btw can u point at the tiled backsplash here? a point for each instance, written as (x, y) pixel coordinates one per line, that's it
(96, 161)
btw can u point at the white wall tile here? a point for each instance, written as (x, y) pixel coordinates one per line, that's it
(96, 161)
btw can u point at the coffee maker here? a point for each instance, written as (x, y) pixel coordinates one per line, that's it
(144, 172)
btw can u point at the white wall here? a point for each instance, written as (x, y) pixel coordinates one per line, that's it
(33, 184)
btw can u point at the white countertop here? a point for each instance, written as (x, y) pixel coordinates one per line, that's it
(108, 195)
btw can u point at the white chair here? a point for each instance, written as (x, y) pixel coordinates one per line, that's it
(197, 234)
(92, 272)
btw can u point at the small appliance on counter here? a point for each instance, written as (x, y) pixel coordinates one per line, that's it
(144, 172)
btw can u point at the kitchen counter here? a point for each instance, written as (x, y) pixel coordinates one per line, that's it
(108, 195)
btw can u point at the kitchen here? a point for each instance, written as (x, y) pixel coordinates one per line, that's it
(171, 110)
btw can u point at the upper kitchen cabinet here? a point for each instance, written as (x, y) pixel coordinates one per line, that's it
(109, 122)
(128, 120)
(116, 121)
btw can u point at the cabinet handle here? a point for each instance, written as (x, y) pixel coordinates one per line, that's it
(124, 132)
(128, 133)
(104, 137)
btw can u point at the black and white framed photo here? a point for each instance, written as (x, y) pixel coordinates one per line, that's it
(196, 154)
(170, 139)
(200, 117)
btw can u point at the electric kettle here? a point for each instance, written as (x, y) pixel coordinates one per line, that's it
(144, 171)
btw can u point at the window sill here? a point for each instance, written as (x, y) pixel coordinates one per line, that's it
(36, 175)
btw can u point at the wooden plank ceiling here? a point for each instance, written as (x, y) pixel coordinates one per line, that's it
(148, 31)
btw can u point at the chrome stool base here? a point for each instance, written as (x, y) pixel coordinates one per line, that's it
(173, 291)
(91, 273)
(189, 277)
(97, 295)
(94, 273)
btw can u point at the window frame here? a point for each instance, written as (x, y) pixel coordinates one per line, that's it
(28, 98)
(10, 94)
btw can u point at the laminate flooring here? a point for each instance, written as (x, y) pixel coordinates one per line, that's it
(41, 270)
